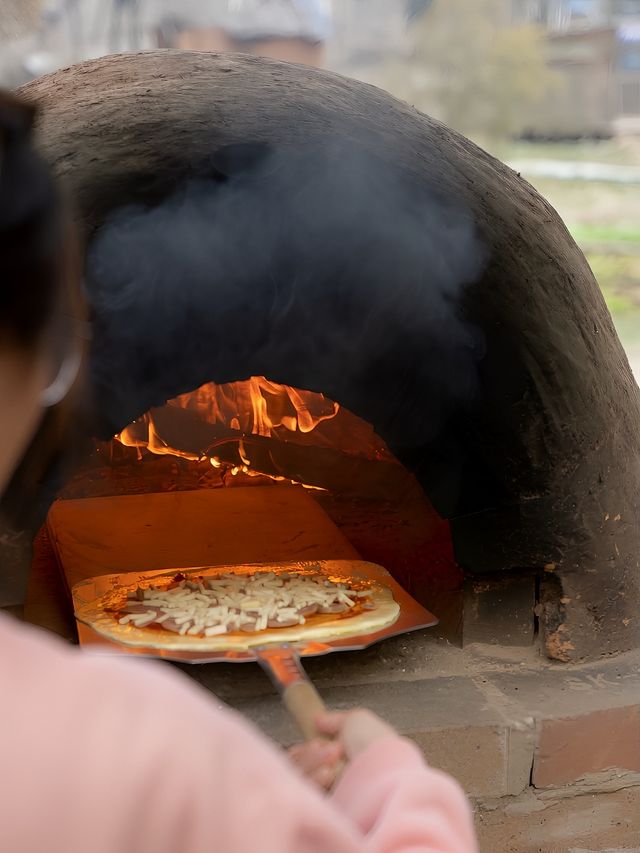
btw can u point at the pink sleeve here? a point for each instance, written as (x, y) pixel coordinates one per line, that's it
(131, 756)
(387, 802)
(400, 804)
(249, 798)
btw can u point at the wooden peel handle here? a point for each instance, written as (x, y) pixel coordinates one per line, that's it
(303, 702)
(305, 705)
(299, 696)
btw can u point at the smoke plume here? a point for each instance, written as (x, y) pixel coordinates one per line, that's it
(324, 269)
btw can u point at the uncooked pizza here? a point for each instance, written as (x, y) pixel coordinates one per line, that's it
(206, 611)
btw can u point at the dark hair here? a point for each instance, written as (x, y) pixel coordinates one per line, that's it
(39, 293)
(32, 267)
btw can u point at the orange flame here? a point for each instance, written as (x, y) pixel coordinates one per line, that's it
(258, 406)
(255, 406)
(229, 423)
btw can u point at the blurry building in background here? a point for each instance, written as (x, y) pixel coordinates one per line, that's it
(289, 30)
(593, 48)
(18, 21)
(371, 36)
(627, 72)
(367, 32)
(68, 31)
(17, 17)
(594, 45)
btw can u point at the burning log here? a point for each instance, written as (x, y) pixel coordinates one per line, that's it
(318, 466)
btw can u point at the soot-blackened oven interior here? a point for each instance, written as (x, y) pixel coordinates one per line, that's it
(362, 311)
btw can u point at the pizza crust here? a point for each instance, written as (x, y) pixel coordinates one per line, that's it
(325, 628)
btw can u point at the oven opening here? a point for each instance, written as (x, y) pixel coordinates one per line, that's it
(279, 472)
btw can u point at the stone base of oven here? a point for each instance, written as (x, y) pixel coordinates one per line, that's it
(524, 736)
(602, 822)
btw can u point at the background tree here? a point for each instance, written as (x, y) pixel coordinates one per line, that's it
(474, 70)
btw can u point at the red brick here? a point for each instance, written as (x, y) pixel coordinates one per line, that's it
(572, 748)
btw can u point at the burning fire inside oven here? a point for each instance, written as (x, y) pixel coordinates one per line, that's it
(256, 427)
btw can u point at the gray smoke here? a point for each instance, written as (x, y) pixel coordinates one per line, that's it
(324, 269)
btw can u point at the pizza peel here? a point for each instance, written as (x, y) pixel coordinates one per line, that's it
(281, 661)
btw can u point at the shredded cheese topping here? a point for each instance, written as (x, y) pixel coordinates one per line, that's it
(243, 602)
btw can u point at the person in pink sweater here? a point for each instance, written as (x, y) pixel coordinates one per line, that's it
(105, 755)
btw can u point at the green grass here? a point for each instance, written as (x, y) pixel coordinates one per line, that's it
(603, 218)
(619, 152)
(615, 232)
(619, 280)
(617, 273)
(627, 324)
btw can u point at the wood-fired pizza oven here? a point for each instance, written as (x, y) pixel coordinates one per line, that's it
(299, 284)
